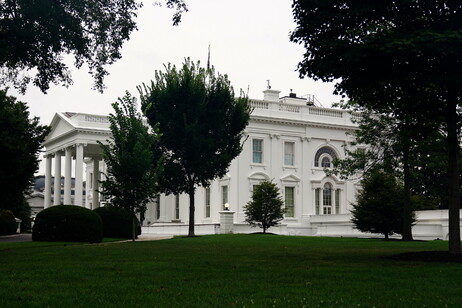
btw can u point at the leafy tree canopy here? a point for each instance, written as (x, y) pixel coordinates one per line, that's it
(266, 207)
(400, 56)
(36, 35)
(133, 161)
(379, 205)
(201, 123)
(21, 139)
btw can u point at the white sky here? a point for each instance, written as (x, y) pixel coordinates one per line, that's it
(249, 41)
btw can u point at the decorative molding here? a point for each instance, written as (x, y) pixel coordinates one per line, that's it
(277, 136)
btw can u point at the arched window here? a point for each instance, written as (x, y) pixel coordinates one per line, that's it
(325, 162)
(327, 199)
(324, 156)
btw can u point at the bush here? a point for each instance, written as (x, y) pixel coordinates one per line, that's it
(68, 223)
(266, 208)
(117, 222)
(7, 223)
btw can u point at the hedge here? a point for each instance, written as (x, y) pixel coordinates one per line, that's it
(68, 223)
(7, 223)
(117, 222)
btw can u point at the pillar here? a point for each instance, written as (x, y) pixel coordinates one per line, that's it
(68, 176)
(95, 180)
(47, 197)
(57, 186)
(226, 221)
(78, 191)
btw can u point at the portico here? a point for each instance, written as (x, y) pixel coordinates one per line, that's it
(74, 137)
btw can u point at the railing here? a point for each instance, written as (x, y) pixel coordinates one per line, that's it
(326, 112)
(302, 109)
(289, 108)
(96, 118)
(259, 104)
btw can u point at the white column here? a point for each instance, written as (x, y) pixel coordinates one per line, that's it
(57, 186)
(95, 180)
(68, 177)
(78, 191)
(47, 198)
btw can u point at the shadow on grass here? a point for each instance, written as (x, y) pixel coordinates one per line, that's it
(428, 256)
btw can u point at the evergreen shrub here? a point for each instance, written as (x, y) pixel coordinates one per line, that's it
(7, 222)
(117, 222)
(68, 223)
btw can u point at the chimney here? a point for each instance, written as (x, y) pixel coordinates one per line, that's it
(271, 95)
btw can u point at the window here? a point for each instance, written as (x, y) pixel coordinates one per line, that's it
(327, 199)
(323, 153)
(317, 197)
(289, 153)
(207, 202)
(177, 207)
(224, 195)
(289, 201)
(257, 151)
(325, 163)
(337, 201)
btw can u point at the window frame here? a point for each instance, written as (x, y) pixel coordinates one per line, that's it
(292, 206)
(292, 157)
(260, 152)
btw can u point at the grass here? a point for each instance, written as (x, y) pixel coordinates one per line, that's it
(227, 271)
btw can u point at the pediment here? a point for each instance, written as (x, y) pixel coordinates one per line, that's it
(290, 178)
(258, 176)
(59, 127)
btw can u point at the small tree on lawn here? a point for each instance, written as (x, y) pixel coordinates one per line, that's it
(266, 208)
(379, 205)
(133, 165)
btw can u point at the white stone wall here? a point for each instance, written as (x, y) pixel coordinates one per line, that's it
(309, 128)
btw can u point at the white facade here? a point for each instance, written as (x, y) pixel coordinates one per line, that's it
(288, 140)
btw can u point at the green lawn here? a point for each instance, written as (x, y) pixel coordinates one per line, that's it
(227, 271)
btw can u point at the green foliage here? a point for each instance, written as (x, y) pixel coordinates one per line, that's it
(8, 223)
(266, 208)
(379, 205)
(117, 222)
(201, 122)
(36, 34)
(67, 223)
(24, 213)
(133, 159)
(399, 57)
(20, 144)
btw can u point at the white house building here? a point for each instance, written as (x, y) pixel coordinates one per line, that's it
(289, 140)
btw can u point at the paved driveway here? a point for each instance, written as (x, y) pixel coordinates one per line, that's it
(23, 237)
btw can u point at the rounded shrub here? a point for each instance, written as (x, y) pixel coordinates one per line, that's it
(7, 222)
(68, 223)
(117, 222)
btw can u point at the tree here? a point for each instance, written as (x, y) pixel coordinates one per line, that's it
(379, 205)
(37, 35)
(21, 140)
(266, 208)
(401, 55)
(132, 165)
(202, 126)
(389, 140)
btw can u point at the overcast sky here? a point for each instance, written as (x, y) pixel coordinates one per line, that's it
(249, 41)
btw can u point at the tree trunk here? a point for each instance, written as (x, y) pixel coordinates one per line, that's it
(407, 209)
(133, 228)
(191, 211)
(453, 175)
(386, 235)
